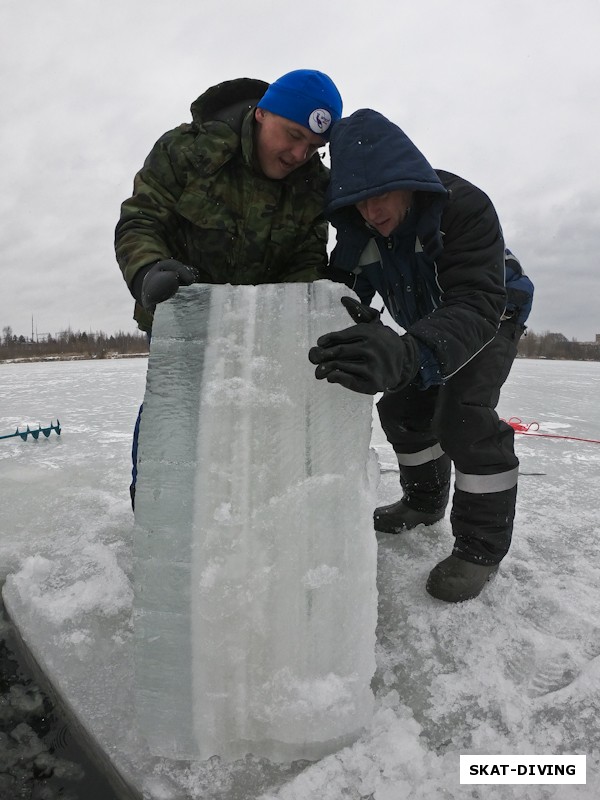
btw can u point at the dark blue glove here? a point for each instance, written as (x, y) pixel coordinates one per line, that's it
(162, 280)
(368, 357)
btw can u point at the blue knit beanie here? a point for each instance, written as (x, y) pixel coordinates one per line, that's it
(307, 97)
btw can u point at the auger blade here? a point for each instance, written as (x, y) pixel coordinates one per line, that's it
(35, 433)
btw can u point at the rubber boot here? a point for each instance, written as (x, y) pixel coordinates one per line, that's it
(455, 580)
(425, 490)
(399, 517)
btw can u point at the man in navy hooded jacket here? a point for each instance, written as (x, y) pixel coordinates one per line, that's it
(430, 244)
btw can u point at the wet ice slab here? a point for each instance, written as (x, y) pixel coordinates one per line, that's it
(255, 559)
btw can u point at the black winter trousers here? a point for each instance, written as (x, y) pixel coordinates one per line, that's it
(457, 422)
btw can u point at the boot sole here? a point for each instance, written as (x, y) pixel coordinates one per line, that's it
(383, 527)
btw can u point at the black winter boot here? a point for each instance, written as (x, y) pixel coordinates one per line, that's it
(455, 580)
(399, 517)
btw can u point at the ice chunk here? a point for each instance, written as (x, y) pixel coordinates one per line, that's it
(255, 556)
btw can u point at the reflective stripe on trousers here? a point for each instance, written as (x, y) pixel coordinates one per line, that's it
(486, 484)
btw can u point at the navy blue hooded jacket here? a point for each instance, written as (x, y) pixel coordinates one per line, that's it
(441, 273)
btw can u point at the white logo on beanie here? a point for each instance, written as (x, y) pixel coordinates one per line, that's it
(319, 121)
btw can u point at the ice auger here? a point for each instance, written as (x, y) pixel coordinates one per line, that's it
(35, 432)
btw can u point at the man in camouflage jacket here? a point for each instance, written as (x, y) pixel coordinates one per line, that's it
(235, 196)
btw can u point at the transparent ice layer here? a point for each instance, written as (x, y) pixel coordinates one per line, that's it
(255, 556)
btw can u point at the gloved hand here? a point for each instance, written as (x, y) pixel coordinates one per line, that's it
(368, 357)
(162, 280)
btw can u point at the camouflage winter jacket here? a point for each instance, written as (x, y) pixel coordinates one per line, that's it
(202, 199)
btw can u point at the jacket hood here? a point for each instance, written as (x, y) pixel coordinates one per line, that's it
(370, 156)
(228, 101)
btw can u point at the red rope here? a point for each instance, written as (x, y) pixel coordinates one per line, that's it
(520, 426)
(528, 429)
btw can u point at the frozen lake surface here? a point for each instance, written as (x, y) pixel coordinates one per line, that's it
(515, 671)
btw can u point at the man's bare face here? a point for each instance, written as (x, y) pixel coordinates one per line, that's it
(386, 211)
(282, 145)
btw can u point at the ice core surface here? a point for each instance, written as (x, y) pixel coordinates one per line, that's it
(255, 557)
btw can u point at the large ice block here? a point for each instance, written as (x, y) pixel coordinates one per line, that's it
(255, 556)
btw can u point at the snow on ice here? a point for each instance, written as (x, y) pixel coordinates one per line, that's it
(515, 671)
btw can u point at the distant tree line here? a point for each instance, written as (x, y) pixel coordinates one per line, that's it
(101, 345)
(557, 346)
(71, 344)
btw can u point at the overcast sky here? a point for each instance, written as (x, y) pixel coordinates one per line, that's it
(502, 92)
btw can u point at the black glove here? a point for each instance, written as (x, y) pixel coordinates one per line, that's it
(162, 280)
(367, 358)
